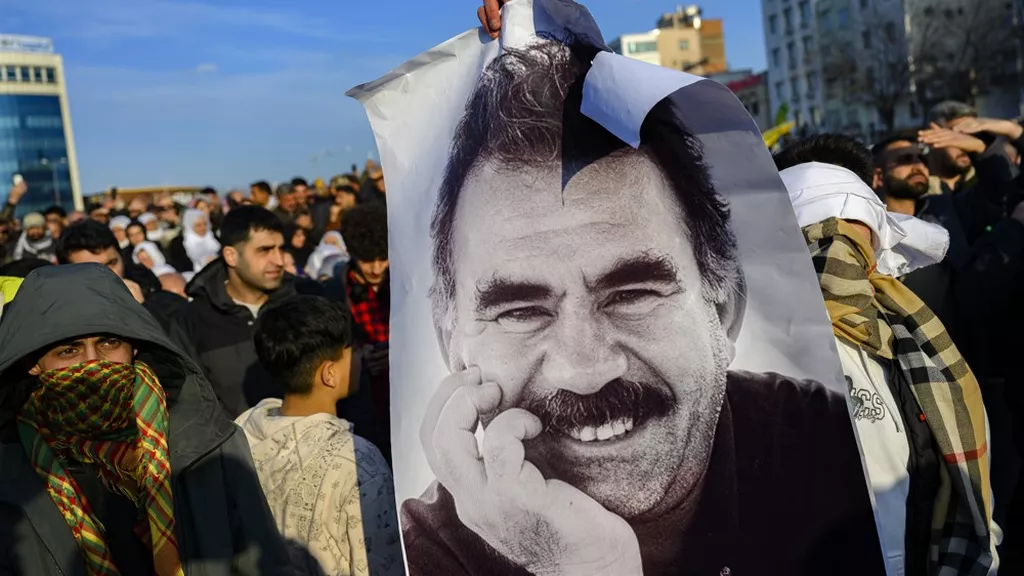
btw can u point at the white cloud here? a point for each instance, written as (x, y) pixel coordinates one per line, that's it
(206, 68)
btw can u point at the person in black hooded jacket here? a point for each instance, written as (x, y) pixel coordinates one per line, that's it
(221, 522)
(217, 325)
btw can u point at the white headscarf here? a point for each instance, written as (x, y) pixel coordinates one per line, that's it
(154, 254)
(121, 222)
(902, 243)
(154, 235)
(323, 250)
(200, 249)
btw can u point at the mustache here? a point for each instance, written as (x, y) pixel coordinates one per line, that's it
(620, 399)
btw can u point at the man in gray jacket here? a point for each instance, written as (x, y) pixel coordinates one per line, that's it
(86, 377)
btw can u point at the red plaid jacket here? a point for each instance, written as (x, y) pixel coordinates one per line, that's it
(367, 311)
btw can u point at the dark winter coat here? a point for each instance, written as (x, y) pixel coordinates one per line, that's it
(222, 522)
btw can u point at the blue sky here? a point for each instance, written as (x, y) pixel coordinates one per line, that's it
(223, 92)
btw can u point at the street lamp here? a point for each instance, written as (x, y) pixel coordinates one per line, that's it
(53, 175)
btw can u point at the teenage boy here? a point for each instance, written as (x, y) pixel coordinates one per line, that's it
(331, 491)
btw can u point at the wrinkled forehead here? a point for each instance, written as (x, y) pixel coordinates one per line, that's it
(626, 181)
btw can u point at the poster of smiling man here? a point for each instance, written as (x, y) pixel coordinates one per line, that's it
(610, 354)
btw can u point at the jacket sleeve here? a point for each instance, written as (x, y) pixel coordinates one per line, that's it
(7, 212)
(259, 547)
(374, 503)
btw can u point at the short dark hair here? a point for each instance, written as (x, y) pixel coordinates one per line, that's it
(87, 235)
(880, 146)
(949, 110)
(262, 186)
(294, 337)
(837, 149)
(208, 191)
(56, 210)
(244, 220)
(365, 231)
(142, 276)
(525, 112)
(22, 268)
(299, 181)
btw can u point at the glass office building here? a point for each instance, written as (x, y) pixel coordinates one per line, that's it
(35, 126)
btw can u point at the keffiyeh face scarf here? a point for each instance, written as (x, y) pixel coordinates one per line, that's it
(112, 417)
(881, 315)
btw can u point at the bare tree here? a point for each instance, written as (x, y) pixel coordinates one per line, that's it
(961, 48)
(872, 69)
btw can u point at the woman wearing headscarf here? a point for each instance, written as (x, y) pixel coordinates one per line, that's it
(917, 406)
(149, 255)
(119, 226)
(330, 245)
(298, 245)
(198, 242)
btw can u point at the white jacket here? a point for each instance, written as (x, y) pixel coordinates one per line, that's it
(331, 492)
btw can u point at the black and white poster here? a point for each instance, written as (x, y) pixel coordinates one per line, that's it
(609, 349)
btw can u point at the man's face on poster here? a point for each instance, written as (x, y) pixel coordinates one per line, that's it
(585, 305)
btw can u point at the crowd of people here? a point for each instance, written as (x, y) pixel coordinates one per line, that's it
(269, 309)
(204, 388)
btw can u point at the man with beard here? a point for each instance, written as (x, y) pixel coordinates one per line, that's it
(590, 331)
(36, 241)
(226, 297)
(116, 458)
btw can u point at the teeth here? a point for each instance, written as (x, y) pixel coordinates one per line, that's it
(604, 432)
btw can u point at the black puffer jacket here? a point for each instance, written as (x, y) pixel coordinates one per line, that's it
(218, 334)
(222, 522)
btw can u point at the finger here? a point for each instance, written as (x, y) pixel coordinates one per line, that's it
(481, 15)
(449, 385)
(457, 458)
(492, 10)
(504, 452)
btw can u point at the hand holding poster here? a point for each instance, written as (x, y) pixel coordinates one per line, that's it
(610, 353)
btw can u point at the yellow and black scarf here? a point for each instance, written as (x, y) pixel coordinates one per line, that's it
(878, 313)
(113, 417)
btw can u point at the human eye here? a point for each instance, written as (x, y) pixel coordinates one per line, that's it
(66, 351)
(524, 319)
(634, 301)
(111, 343)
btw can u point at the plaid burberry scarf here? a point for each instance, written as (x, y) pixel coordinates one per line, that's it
(880, 314)
(112, 416)
(368, 312)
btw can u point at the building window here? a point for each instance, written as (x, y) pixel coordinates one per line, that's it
(43, 122)
(11, 75)
(866, 37)
(825, 20)
(815, 116)
(51, 75)
(890, 32)
(798, 118)
(812, 85)
(780, 91)
(808, 46)
(642, 47)
(755, 108)
(773, 24)
(805, 13)
(684, 44)
(794, 87)
(776, 57)
(843, 18)
(791, 50)
(787, 19)
(24, 74)
(8, 122)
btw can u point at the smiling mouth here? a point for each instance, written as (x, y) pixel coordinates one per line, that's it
(608, 431)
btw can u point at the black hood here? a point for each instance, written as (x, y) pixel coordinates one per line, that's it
(56, 303)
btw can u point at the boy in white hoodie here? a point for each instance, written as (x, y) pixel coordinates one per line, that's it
(331, 491)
